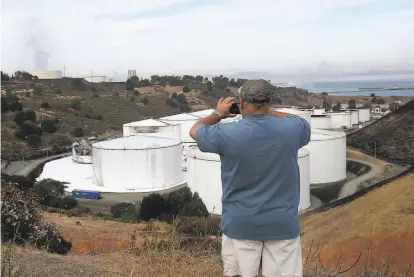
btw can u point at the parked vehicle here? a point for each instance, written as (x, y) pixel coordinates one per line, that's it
(86, 194)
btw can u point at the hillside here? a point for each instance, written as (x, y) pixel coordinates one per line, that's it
(379, 225)
(393, 135)
(101, 109)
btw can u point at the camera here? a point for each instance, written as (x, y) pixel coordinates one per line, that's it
(235, 108)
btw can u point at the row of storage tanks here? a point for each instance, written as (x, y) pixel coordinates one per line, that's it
(157, 154)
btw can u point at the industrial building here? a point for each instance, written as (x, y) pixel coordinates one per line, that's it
(95, 79)
(204, 177)
(137, 163)
(47, 74)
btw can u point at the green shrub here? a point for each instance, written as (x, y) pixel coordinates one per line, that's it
(23, 183)
(78, 132)
(45, 105)
(186, 89)
(19, 118)
(194, 208)
(49, 192)
(29, 127)
(152, 206)
(21, 208)
(123, 209)
(20, 134)
(48, 126)
(76, 104)
(34, 140)
(68, 203)
(177, 199)
(30, 115)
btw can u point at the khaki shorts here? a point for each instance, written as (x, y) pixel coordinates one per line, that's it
(278, 258)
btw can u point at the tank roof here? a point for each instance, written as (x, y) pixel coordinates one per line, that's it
(137, 142)
(291, 111)
(180, 117)
(147, 122)
(203, 113)
(319, 134)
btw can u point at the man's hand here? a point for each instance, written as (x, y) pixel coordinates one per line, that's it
(223, 107)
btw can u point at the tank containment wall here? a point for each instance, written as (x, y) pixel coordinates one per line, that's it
(204, 177)
(341, 119)
(321, 121)
(137, 163)
(327, 151)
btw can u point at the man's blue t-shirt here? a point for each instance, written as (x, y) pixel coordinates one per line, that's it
(259, 173)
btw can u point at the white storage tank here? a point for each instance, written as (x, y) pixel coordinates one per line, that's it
(354, 117)
(307, 110)
(318, 111)
(153, 127)
(48, 74)
(186, 121)
(327, 157)
(204, 177)
(203, 113)
(137, 163)
(321, 121)
(340, 119)
(364, 115)
(304, 114)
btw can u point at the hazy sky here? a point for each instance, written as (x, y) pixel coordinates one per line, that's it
(215, 36)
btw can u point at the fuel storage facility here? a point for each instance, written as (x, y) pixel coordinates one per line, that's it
(321, 121)
(327, 150)
(340, 119)
(354, 116)
(137, 163)
(153, 127)
(204, 177)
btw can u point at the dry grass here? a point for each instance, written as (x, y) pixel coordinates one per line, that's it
(383, 217)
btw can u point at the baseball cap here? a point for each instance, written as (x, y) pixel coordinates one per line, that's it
(256, 91)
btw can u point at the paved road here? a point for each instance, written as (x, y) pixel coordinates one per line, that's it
(351, 186)
(24, 168)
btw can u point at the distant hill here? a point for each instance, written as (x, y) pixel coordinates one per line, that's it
(393, 135)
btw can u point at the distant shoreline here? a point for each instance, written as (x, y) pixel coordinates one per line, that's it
(372, 89)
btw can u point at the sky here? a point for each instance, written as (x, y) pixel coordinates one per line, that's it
(207, 36)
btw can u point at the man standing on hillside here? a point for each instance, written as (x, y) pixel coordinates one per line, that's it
(260, 178)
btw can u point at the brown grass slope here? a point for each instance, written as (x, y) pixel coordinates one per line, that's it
(382, 220)
(393, 134)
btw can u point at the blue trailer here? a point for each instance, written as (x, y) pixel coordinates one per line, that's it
(86, 194)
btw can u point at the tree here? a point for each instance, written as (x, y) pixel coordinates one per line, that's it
(326, 105)
(19, 118)
(186, 89)
(123, 209)
(152, 206)
(76, 104)
(352, 104)
(367, 106)
(324, 93)
(30, 115)
(50, 191)
(337, 107)
(29, 127)
(78, 132)
(381, 101)
(199, 79)
(374, 100)
(4, 76)
(209, 86)
(34, 140)
(45, 105)
(48, 126)
(372, 95)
